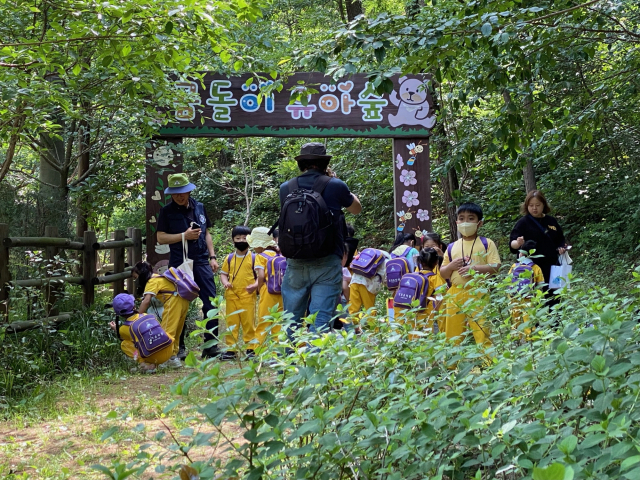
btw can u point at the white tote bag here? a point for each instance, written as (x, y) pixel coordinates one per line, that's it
(559, 277)
(187, 265)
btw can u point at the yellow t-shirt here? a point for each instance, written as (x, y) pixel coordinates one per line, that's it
(261, 260)
(240, 272)
(538, 277)
(474, 249)
(157, 284)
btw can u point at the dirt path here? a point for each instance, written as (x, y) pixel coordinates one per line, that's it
(65, 447)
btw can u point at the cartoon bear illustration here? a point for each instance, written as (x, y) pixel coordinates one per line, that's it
(412, 103)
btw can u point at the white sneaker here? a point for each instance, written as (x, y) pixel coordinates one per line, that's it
(173, 362)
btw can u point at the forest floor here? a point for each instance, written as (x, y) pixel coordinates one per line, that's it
(63, 440)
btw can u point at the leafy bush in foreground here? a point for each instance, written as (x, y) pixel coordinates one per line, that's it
(561, 404)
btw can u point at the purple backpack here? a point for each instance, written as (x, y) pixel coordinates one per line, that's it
(148, 335)
(397, 268)
(413, 286)
(276, 268)
(185, 286)
(367, 262)
(521, 282)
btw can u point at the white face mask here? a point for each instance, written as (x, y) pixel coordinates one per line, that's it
(467, 229)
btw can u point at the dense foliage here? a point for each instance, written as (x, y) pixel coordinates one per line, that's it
(559, 403)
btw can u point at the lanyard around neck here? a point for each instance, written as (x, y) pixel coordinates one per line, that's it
(235, 261)
(462, 248)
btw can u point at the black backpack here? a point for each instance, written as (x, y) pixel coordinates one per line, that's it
(307, 228)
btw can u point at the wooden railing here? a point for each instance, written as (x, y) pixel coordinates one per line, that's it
(129, 243)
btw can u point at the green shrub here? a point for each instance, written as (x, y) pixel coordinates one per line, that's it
(33, 359)
(559, 404)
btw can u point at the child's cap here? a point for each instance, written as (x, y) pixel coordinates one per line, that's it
(124, 304)
(260, 238)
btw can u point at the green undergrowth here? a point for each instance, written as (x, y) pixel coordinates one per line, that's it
(398, 403)
(40, 367)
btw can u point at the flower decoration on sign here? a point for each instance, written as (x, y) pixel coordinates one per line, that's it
(408, 177)
(399, 161)
(410, 198)
(423, 215)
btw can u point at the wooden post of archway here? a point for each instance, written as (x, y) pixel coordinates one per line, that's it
(230, 107)
(163, 157)
(412, 185)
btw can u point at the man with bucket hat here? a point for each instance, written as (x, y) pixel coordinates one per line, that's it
(314, 275)
(185, 215)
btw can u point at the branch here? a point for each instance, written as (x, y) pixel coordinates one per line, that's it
(560, 12)
(78, 39)
(13, 141)
(16, 65)
(18, 170)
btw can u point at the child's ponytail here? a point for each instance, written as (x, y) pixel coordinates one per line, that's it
(428, 258)
(144, 270)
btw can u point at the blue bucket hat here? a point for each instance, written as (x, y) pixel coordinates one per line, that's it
(178, 183)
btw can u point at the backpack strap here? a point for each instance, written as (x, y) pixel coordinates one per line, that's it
(229, 257)
(253, 265)
(293, 185)
(449, 249)
(485, 244)
(321, 183)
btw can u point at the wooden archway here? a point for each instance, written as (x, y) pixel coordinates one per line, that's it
(229, 107)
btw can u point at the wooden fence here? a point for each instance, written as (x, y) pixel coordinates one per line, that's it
(127, 243)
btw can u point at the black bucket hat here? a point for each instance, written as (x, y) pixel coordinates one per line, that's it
(313, 151)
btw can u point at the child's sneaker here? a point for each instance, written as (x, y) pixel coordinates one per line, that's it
(227, 356)
(173, 362)
(147, 368)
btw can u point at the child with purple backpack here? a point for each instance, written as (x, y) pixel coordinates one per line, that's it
(143, 339)
(419, 286)
(166, 291)
(270, 268)
(368, 276)
(471, 253)
(525, 276)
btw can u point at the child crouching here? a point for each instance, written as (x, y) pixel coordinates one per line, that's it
(124, 306)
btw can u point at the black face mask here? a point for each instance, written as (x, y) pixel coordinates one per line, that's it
(242, 246)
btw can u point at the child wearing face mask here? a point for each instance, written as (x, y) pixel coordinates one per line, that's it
(469, 253)
(240, 282)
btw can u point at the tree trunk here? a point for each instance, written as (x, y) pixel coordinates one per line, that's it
(528, 170)
(53, 192)
(529, 174)
(340, 5)
(84, 145)
(448, 183)
(354, 8)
